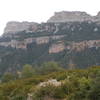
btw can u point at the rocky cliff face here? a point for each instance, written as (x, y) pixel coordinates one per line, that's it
(73, 16)
(74, 46)
(45, 32)
(64, 16)
(14, 27)
(70, 38)
(22, 44)
(81, 46)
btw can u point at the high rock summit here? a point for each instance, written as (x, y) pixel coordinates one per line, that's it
(74, 16)
(58, 17)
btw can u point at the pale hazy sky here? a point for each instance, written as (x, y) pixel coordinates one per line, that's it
(41, 10)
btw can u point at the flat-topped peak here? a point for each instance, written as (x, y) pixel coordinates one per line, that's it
(72, 16)
(72, 12)
(15, 26)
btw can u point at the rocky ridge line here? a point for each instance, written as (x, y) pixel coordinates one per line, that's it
(74, 16)
(63, 16)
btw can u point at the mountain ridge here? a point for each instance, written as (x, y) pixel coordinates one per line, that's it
(72, 16)
(58, 17)
(68, 43)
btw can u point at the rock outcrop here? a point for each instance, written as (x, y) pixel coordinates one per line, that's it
(53, 82)
(80, 46)
(22, 44)
(14, 27)
(74, 46)
(56, 48)
(74, 16)
(64, 16)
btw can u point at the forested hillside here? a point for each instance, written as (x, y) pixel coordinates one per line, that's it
(60, 85)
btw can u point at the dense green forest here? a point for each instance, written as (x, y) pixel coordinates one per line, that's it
(75, 84)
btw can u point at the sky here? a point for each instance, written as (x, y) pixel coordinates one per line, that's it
(41, 10)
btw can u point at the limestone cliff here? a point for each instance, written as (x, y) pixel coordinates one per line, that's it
(63, 16)
(14, 27)
(22, 44)
(73, 42)
(74, 16)
(81, 46)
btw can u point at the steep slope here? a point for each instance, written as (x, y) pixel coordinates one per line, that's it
(74, 44)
